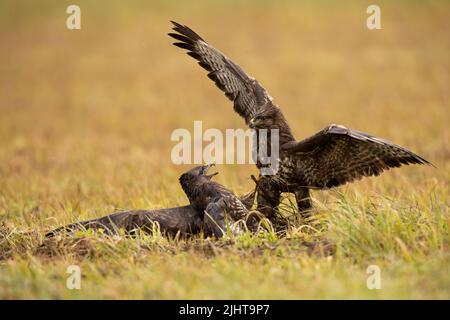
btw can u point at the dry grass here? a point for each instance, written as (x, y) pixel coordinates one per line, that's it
(85, 127)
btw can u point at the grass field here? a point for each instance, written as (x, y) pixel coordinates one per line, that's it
(85, 124)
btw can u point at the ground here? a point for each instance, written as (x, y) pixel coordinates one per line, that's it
(85, 124)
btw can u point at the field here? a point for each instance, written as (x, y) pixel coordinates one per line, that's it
(85, 123)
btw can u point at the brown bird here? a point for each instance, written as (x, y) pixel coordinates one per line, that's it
(220, 204)
(330, 158)
(221, 207)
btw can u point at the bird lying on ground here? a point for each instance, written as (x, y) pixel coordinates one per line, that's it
(204, 195)
(332, 157)
(221, 207)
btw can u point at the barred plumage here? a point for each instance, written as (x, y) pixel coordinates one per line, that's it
(220, 206)
(332, 157)
(204, 196)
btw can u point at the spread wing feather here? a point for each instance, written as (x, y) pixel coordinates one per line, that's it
(246, 93)
(337, 155)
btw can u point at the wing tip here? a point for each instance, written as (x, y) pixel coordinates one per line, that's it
(416, 159)
(186, 31)
(425, 162)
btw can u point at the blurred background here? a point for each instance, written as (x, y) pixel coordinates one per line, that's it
(86, 115)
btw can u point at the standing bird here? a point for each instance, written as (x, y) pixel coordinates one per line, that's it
(330, 158)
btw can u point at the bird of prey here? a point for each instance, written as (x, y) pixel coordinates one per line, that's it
(186, 220)
(220, 206)
(332, 157)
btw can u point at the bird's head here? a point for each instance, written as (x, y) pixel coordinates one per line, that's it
(196, 177)
(198, 174)
(264, 119)
(201, 171)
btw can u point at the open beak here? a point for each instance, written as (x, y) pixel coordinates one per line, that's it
(207, 167)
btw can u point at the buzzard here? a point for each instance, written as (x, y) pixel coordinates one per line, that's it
(204, 195)
(220, 205)
(332, 157)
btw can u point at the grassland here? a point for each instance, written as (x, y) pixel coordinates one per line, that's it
(85, 124)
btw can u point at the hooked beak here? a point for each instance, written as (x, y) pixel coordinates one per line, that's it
(206, 168)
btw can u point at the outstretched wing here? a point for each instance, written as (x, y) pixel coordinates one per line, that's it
(184, 219)
(337, 155)
(246, 93)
